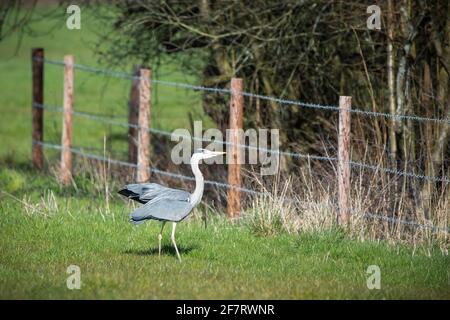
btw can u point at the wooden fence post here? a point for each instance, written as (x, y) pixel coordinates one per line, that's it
(143, 161)
(234, 151)
(37, 135)
(66, 141)
(345, 104)
(133, 117)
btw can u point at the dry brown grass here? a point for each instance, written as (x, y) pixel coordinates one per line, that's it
(306, 203)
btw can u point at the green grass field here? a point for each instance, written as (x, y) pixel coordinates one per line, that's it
(222, 261)
(95, 93)
(46, 227)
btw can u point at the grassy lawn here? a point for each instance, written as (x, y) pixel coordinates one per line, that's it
(224, 261)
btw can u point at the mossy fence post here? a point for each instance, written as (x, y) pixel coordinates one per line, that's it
(345, 104)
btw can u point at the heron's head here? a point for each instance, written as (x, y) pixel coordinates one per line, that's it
(206, 154)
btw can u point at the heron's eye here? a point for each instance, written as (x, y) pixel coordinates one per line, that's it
(199, 150)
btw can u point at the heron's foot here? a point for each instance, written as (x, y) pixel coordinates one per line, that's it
(178, 255)
(160, 238)
(176, 249)
(172, 237)
(159, 244)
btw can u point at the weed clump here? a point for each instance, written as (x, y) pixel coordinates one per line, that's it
(11, 180)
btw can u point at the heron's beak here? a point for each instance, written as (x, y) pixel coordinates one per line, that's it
(217, 153)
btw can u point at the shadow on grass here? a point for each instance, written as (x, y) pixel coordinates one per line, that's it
(165, 250)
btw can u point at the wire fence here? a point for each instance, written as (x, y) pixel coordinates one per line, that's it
(377, 168)
(330, 206)
(111, 120)
(253, 95)
(80, 152)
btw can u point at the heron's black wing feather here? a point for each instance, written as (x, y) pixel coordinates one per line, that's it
(130, 195)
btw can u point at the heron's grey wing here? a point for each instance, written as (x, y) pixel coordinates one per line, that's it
(144, 192)
(157, 191)
(162, 208)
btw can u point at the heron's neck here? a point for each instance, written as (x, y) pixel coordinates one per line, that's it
(198, 192)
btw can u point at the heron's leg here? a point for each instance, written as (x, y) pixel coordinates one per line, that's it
(160, 236)
(173, 240)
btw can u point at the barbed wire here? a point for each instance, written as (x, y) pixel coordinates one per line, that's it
(375, 168)
(405, 222)
(90, 115)
(105, 119)
(399, 172)
(253, 95)
(116, 74)
(191, 86)
(249, 191)
(154, 170)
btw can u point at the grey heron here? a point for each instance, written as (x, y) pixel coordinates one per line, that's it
(167, 204)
